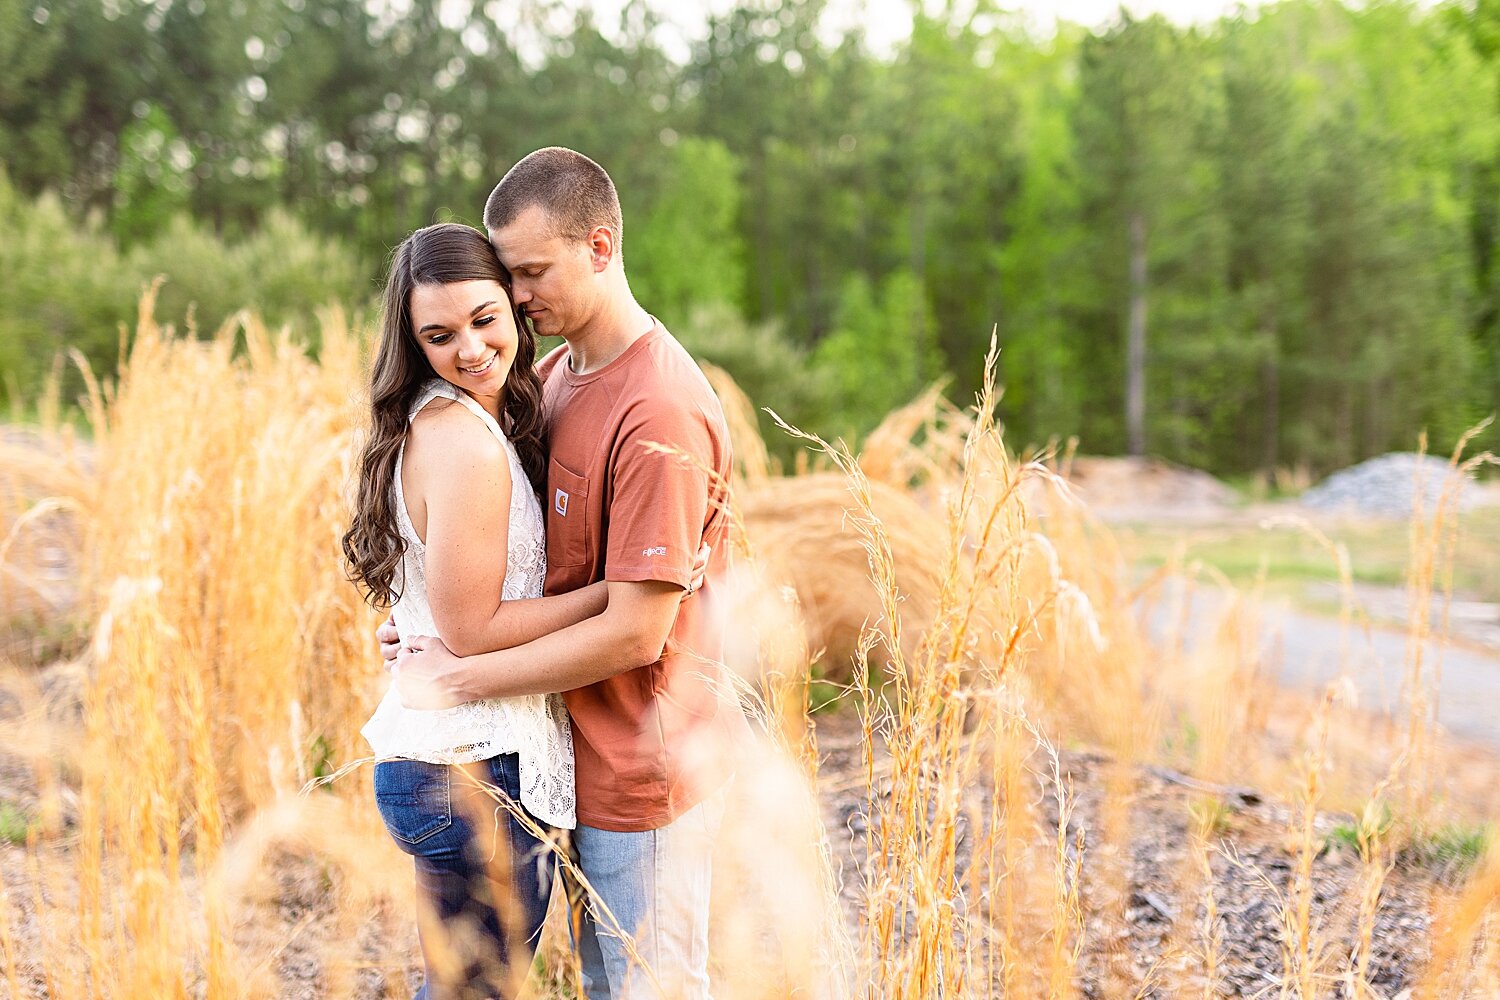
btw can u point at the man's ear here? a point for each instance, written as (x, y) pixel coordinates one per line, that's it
(602, 247)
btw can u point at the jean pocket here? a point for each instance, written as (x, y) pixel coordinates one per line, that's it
(414, 797)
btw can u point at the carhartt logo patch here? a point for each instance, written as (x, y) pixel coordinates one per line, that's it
(560, 503)
(656, 550)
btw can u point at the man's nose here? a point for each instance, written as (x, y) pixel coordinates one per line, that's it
(520, 294)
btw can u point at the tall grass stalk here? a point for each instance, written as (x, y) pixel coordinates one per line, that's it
(1433, 540)
(1301, 938)
(982, 624)
(8, 946)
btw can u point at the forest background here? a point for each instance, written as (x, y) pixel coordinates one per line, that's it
(1261, 243)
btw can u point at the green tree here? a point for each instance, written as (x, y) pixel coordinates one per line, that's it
(1262, 144)
(1045, 378)
(152, 179)
(684, 250)
(64, 290)
(33, 123)
(1138, 129)
(1387, 349)
(881, 353)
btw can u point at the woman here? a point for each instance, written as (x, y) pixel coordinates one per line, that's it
(448, 532)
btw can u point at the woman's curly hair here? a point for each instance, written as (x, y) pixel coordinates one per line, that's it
(435, 255)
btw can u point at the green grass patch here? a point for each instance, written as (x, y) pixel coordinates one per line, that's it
(1373, 827)
(1379, 552)
(1452, 847)
(15, 823)
(1208, 816)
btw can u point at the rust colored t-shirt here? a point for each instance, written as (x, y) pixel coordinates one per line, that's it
(652, 742)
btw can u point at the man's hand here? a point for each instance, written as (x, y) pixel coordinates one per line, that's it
(390, 641)
(427, 674)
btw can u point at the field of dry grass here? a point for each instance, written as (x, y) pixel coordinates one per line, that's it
(1017, 789)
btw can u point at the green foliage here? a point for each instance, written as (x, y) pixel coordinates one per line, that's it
(281, 270)
(1452, 847)
(882, 351)
(320, 755)
(69, 287)
(1362, 835)
(1314, 192)
(1183, 744)
(65, 288)
(684, 251)
(774, 372)
(1209, 816)
(15, 823)
(151, 183)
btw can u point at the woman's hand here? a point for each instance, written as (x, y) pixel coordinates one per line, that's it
(700, 570)
(389, 641)
(428, 675)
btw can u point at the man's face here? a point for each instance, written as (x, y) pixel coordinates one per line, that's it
(553, 278)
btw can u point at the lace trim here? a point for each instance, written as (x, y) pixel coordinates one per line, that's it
(535, 727)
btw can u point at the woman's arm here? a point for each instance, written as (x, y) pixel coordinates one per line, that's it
(457, 482)
(630, 634)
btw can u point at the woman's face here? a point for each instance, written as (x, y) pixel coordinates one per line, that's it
(467, 330)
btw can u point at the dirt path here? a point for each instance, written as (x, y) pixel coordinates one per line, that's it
(1308, 650)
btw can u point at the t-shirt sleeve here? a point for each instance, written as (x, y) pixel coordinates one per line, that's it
(660, 502)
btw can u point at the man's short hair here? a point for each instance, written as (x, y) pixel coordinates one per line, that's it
(572, 189)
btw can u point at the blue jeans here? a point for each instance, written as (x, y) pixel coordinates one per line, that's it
(485, 878)
(656, 884)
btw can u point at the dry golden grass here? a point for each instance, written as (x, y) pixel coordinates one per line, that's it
(47, 476)
(228, 658)
(983, 622)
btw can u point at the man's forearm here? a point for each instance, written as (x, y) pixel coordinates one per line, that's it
(515, 623)
(574, 657)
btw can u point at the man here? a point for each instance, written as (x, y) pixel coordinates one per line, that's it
(655, 720)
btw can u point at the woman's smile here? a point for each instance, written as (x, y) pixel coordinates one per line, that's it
(483, 369)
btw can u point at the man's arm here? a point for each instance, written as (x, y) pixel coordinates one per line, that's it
(630, 633)
(524, 620)
(537, 616)
(517, 622)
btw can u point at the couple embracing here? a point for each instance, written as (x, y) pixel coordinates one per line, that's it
(556, 627)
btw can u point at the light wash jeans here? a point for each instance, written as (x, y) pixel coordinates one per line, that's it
(656, 884)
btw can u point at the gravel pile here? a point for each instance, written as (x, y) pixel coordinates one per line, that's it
(1387, 485)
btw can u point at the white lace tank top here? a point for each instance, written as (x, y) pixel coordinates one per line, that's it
(535, 726)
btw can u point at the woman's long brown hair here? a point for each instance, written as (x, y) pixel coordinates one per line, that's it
(436, 255)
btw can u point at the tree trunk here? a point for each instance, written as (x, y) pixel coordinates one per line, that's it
(1270, 381)
(1135, 341)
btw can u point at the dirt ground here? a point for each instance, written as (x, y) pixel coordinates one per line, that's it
(1139, 921)
(1138, 918)
(1252, 869)
(1147, 489)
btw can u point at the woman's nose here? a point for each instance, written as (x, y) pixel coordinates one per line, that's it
(470, 346)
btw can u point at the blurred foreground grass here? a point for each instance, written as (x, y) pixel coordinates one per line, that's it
(973, 615)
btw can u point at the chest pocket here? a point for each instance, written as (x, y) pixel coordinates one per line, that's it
(568, 534)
